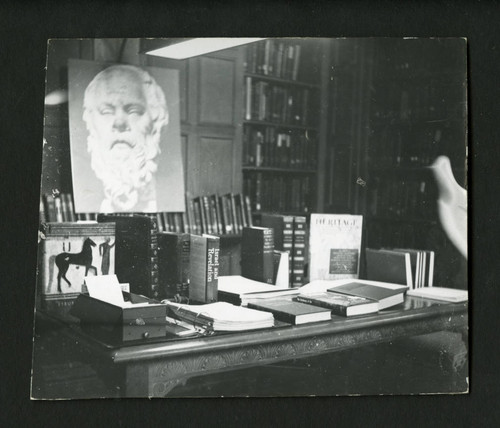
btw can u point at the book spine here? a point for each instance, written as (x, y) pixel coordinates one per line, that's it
(136, 255)
(184, 271)
(336, 309)
(153, 258)
(298, 252)
(213, 249)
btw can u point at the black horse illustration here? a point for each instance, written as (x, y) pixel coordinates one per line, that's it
(83, 258)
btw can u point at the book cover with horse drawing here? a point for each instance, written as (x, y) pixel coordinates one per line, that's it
(69, 252)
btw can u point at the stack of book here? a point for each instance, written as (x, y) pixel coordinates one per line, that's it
(222, 316)
(385, 294)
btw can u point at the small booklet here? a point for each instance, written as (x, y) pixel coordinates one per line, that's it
(441, 293)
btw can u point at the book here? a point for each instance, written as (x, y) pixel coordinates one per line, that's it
(392, 266)
(222, 316)
(335, 246)
(340, 304)
(173, 264)
(136, 249)
(283, 234)
(239, 290)
(292, 312)
(257, 246)
(283, 229)
(441, 293)
(298, 257)
(204, 268)
(386, 294)
(281, 268)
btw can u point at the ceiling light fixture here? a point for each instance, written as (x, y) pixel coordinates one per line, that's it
(194, 47)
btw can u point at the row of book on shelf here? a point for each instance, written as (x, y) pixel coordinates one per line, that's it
(224, 214)
(273, 102)
(276, 58)
(270, 147)
(406, 145)
(278, 192)
(183, 269)
(408, 199)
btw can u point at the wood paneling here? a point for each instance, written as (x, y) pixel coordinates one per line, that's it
(216, 91)
(215, 165)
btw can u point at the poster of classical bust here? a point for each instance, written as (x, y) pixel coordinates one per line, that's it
(125, 138)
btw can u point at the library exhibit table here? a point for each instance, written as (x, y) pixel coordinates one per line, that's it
(154, 367)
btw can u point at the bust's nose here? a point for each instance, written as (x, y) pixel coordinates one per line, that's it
(120, 123)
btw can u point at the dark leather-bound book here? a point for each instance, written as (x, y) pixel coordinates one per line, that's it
(287, 310)
(173, 264)
(257, 246)
(136, 251)
(203, 268)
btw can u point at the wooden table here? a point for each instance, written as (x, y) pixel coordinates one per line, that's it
(154, 368)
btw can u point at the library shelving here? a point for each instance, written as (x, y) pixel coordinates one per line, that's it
(282, 119)
(417, 112)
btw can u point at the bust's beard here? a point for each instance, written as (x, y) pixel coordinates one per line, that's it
(127, 175)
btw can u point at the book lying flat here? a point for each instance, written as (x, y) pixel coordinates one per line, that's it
(441, 293)
(222, 316)
(386, 294)
(240, 291)
(287, 310)
(340, 304)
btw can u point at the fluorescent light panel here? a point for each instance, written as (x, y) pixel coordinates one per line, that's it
(200, 46)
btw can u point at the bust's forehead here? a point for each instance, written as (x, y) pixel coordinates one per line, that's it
(120, 81)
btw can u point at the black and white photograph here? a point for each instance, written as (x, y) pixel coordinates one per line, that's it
(131, 138)
(253, 217)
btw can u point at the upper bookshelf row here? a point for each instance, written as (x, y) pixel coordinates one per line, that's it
(295, 60)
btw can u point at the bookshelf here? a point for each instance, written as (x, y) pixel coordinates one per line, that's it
(417, 111)
(284, 108)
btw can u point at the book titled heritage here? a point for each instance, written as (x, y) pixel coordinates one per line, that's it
(136, 251)
(340, 304)
(173, 264)
(289, 311)
(386, 294)
(257, 247)
(335, 246)
(204, 268)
